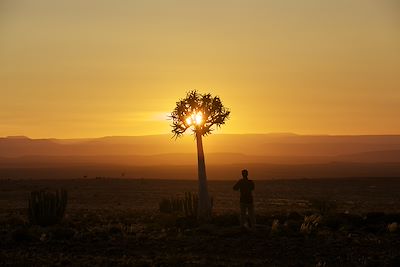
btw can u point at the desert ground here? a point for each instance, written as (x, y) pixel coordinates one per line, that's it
(112, 222)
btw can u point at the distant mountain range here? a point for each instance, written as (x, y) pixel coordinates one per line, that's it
(221, 149)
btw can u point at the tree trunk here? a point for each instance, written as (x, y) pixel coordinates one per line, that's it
(204, 209)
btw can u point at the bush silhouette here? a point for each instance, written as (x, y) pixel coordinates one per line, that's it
(47, 208)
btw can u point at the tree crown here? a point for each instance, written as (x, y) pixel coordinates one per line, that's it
(199, 112)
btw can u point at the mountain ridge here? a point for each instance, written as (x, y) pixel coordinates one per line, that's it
(260, 145)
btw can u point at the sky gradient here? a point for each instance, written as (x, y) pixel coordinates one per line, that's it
(100, 68)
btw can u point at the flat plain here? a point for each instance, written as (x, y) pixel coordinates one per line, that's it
(355, 195)
(116, 222)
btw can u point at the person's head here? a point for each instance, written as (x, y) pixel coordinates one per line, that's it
(245, 173)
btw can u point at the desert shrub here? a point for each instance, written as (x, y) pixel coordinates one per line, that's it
(120, 229)
(47, 208)
(275, 227)
(323, 206)
(393, 227)
(188, 204)
(310, 224)
(127, 229)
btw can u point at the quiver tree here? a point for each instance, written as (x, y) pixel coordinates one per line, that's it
(200, 113)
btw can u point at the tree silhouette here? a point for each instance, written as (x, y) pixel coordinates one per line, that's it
(200, 113)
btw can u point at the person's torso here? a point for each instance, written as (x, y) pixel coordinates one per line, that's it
(246, 188)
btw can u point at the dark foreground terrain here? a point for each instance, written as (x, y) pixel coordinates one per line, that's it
(117, 223)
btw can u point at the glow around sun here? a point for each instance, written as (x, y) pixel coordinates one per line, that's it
(196, 118)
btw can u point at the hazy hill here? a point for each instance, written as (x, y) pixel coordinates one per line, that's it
(274, 145)
(160, 156)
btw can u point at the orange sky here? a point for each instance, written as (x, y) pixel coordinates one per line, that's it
(95, 68)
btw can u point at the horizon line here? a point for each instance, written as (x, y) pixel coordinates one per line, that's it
(164, 134)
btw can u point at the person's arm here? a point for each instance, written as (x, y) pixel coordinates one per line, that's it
(236, 187)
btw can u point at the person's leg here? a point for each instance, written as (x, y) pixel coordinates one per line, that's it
(252, 216)
(242, 214)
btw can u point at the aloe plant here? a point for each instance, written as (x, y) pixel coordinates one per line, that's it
(188, 204)
(310, 224)
(47, 208)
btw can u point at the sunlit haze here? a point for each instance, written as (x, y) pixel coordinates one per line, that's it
(100, 68)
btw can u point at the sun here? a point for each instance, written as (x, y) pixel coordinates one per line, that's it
(196, 118)
(199, 118)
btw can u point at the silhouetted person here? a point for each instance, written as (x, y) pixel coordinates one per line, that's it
(246, 187)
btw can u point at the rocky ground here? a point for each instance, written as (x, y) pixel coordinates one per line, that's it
(117, 223)
(117, 238)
